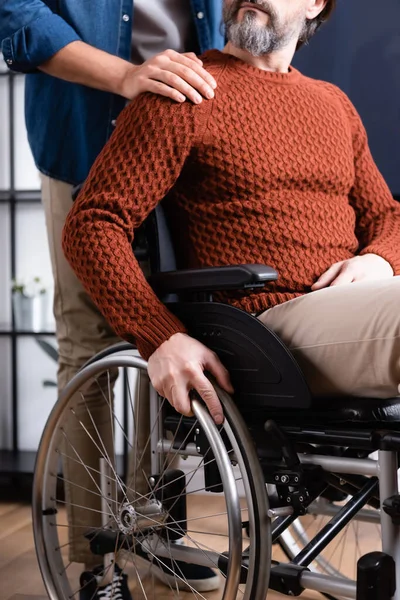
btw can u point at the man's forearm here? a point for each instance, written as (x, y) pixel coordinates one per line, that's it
(81, 63)
(138, 166)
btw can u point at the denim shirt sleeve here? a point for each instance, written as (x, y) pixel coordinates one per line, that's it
(30, 33)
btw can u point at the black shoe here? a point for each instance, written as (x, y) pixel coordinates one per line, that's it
(186, 576)
(91, 588)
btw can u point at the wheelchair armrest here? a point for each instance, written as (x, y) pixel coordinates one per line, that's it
(210, 279)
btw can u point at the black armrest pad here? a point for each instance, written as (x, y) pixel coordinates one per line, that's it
(211, 279)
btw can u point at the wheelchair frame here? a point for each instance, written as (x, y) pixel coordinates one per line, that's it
(293, 578)
(377, 573)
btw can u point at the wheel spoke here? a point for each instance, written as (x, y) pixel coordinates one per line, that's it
(148, 551)
(88, 472)
(106, 457)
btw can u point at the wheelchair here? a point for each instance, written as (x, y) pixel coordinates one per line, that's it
(292, 493)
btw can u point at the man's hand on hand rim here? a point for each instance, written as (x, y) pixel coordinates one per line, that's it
(368, 267)
(176, 76)
(178, 366)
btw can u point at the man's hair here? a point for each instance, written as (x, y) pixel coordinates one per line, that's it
(313, 25)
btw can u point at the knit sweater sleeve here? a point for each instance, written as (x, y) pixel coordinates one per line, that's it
(136, 169)
(377, 213)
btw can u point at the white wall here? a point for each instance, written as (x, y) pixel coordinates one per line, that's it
(26, 174)
(4, 134)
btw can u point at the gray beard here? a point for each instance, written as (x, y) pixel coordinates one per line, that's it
(258, 41)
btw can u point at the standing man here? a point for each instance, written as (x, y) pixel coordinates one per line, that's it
(84, 61)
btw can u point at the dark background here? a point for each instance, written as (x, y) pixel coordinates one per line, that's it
(359, 50)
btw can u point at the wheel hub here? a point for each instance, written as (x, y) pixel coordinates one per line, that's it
(133, 519)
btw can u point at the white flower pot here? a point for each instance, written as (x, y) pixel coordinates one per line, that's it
(30, 312)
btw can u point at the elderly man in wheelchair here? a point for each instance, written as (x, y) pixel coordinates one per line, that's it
(281, 392)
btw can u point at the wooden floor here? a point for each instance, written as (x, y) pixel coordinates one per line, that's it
(20, 578)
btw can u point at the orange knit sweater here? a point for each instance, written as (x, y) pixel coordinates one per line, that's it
(275, 170)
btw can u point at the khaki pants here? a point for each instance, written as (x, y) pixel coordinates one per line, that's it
(346, 339)
(81, 332)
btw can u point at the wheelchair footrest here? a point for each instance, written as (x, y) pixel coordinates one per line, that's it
(376, 577)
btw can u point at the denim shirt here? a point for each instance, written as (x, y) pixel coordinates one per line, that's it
(68, 124)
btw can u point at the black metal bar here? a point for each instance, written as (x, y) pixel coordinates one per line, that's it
(280, 525)
(10, 332)
(378, 438)
(10, 74)
(336, 524)
(360, 439)
(125, 420)
(14, 392)
(11, 112)
(20, 196)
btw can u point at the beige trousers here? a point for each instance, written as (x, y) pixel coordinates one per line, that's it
(346, 339)
(81, 332)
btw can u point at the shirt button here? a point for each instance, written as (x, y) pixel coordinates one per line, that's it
(125, 18)
(9, 61)
(114, 122)
(200, 15)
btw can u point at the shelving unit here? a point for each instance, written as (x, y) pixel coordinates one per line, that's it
(8, 196)
(13, 461)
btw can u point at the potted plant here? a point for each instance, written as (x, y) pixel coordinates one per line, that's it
(29, 304)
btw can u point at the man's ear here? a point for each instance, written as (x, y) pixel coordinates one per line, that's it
(315, 7)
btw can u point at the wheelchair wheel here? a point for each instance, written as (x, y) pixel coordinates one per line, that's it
(361, 536)
(150, 516)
